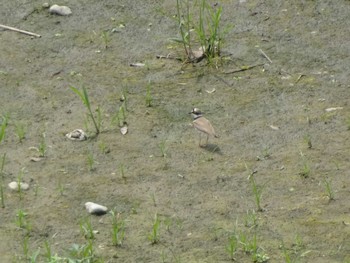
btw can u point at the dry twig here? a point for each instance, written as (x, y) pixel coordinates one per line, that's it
(20, 31)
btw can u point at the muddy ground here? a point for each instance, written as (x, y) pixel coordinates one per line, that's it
(272, 122)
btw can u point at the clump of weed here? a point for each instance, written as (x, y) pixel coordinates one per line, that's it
(199, 25)
(329, 189)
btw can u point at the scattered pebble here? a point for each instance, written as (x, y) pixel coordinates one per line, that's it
(36, 159)
(14, 186)
(334, 109)
(273, 127)
(95, 209)
(211, 91)
(60, 10)
(124, 130)
(137, 65)
(77, 135)
(46, 5)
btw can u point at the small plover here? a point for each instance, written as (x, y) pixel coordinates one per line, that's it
(202, 124)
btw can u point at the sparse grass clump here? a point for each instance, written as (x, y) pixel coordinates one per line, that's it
(200, 30)
(86, 228)
(118, 229)
(3, 125)
(154, 235)
(329, 189)
(20, 131)
(257, 191)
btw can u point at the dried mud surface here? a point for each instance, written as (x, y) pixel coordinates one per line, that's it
(201, 195)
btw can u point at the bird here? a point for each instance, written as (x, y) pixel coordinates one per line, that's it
(202, 124)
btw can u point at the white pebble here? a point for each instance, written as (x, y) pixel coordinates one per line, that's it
(96, 209)
(60, 10)
(334, 109)
(14, 186)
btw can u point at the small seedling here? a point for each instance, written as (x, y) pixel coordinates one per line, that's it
(19, 183)
(83, 95)
(162, 148)
(83, 253)
(265, 154)
(103, 147)
(348, 124)
(251, 219)
(257, 191)
(329, 189)
(48, 253)
(60, 188)
(120, 116)
(20, 131)
(2, 166)
(26, 247)
(153, 197)
(305, 171)
(86, 229)
(286, 254)
(33, 258)
(148, 97)
(2, 196)
(21, 220)
(231, 248)
(118, 229)
(4, 122)
(90, 160)
(307, 139)
(106, 38)
(42, 146)
(122, 171)
(154, 235)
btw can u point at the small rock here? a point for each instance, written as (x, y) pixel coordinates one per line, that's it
(95, 209)
(46, 5)
(124, 130)
(36, 159)
(333, 109)
(77, 135)
(60, 10)
(137, 65)
(14, 186)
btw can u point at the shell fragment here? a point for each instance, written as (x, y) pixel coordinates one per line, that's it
(77, 135)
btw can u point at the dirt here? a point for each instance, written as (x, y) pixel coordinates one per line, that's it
(272, 122)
